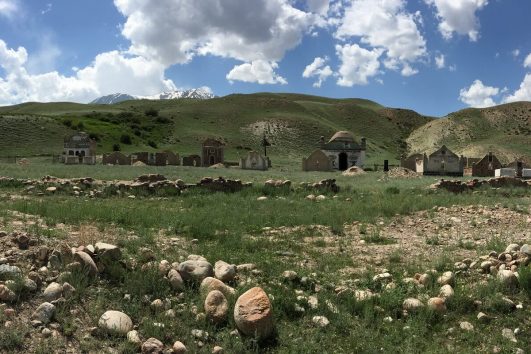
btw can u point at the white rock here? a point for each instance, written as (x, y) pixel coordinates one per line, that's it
(115, 322)
(224, 271)
(412, 304)
(44, 313)
(446, 291)
(320, 321)
(466, 326)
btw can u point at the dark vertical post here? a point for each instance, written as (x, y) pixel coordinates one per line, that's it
(386, 165)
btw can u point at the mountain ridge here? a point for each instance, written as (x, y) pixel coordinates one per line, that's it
(198, 93)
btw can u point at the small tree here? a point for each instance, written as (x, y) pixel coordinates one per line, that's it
(152, 144)
(152, 112)
(116, 147)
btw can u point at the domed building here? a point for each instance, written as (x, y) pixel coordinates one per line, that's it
(343, 151)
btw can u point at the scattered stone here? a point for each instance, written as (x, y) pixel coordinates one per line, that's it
(446, 278)
(224, 271)
(6, 294)
(446, 291)
(508, 334)
(526, 249)
(290, 275)
(513, 247)
(175, 279)
(115, 322)
(195, 270)
(44, 313)
(466, 326)
(253, 314)
(209, 284)
(483, 317)
(53, 292)
(507, 278)
(412, 304)
(179, 348)
(261, 199)
(164, 267)
(86, 262)
(134, 337)
(217, 350)
(152, 346)
(216, 307)
(313, 302)
(320, 321)
(437, 304)
(9, 272)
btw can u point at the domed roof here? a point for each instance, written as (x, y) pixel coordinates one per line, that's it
(342, 136)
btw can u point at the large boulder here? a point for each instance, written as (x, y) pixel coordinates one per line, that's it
(216, 307)
(115, 322)
(253, 314)
(195, 270)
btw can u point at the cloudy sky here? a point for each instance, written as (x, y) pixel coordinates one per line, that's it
(433, 56)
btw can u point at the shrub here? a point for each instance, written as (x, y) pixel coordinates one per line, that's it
(67, 122)
(152, 112)
(126, 139)
(152, 144)
(116, 147)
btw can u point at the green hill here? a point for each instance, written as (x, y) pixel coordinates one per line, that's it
(504, 130)
(293, 123)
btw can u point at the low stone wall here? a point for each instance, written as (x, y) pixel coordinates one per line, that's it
(463, 186)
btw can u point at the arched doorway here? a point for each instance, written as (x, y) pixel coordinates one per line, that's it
(343, 161)
(212, 160)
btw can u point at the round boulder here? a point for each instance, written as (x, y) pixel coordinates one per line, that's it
(53, 292)
(412, 304)
(175, 279)
(216, 307)
(115, 322)
(437, 304)
(86, 262)
(195, 270)
(253, 314)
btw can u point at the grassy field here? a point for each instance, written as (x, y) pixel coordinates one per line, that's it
(341, 241)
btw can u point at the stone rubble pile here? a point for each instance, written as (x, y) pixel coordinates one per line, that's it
(458, 186)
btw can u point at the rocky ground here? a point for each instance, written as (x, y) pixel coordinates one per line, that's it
(43, 281)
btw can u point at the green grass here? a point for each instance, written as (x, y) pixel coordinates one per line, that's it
(294, 123)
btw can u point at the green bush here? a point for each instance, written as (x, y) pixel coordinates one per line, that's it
(126, 139)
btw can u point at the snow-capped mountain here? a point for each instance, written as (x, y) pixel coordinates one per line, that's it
(199, 94)
(114, 98)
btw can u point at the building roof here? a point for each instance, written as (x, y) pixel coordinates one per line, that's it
(212, 142)
(342, 136)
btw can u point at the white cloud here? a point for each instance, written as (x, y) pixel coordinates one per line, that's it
(408, 71)
(523, 93)
(109, 73)
(357, 64)
(8, 8)
(47, 9)
(458, 16)
(515, 53)
(527, 61)
(258, 71)
(174, 31)
(479, 95)
(318, 69)
(440, 61)
(386, 25)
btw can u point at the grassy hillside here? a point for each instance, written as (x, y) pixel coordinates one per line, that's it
(504, 130)
(293, 123)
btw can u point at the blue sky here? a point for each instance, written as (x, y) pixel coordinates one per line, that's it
(433, 56)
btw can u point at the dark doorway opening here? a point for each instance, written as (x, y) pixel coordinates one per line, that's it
(212, 160)
(343, 161)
